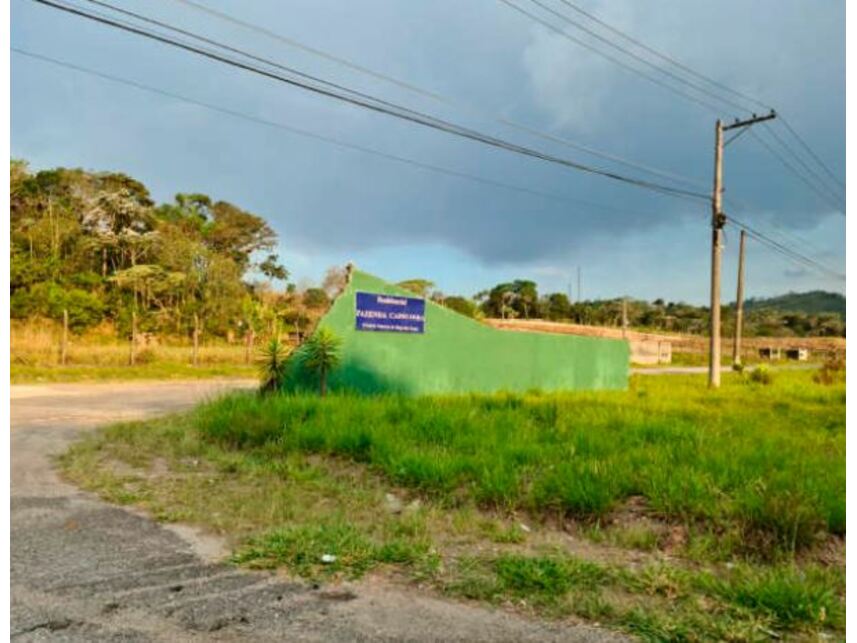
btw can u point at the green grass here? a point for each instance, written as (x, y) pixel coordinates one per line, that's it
(558, 505)
(23, 374)
(763, 463)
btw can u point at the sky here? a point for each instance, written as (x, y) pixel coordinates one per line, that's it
(480, 64)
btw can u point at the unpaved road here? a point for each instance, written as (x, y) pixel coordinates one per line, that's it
(83, 570)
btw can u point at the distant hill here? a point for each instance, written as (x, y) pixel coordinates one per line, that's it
(811, 303)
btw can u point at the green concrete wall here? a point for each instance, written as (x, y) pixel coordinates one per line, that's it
(457, 355)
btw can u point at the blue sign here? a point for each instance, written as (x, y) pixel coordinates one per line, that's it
(391, 313)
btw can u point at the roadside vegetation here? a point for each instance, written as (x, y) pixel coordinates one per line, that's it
(668, 511)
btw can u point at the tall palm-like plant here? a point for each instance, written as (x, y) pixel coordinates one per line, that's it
(272, 365)
(322, 355)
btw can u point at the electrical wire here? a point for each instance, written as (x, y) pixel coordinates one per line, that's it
(689, 70)
(666, 72)
(806, 146)
(785, 250)
(612, 59)
(821, 183)
(377, 105)
(395, 81)
(796, 173)
(315, 136)
(663, 56)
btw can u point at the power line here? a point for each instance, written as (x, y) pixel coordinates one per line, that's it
(412, 116)
(663, 56)
(794, 171)
(378, 106)
(678, 64)
(811, 153)
(776, 227)
(815, 157)
(785, 250)
(313, 135)
(612, 59)
(409, 86)
(794, 259)
(821, 183)
(648, 63)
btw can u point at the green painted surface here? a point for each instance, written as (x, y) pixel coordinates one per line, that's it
(458, 355)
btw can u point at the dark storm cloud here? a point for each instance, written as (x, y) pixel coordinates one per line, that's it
(483, 54)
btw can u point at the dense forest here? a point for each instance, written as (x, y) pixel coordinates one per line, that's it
(95, 244)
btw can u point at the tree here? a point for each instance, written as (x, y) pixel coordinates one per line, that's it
(100, 236)
(273, 269)
(322, 355)
(420, 287)
(556, 306)
(514, 299)
(461, 305)
(335, 280)
(315, 298)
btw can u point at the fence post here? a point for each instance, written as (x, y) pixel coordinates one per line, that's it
(195, 356)
(133, 354)
(248, 341)
(64, 344)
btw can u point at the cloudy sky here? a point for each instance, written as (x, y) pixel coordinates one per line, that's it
(480, 64)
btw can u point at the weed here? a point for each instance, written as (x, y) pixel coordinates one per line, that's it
(761, 375)
(832, 371)
(727, 463)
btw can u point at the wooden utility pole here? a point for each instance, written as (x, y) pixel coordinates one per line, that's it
(133, 355)
(579, 292)
(64, 345)
(195, 355)
(718, 220)
(739, 303)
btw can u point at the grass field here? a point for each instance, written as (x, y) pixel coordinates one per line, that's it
(666, 510)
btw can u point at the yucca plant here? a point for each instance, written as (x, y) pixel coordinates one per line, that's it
(272, 365)
(322, 355)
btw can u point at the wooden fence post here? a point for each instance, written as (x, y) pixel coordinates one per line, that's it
(64, 344)
(248, 341)
(195, 357)
(133, 354)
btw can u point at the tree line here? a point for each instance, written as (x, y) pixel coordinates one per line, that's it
(95, 244)
(520, 299)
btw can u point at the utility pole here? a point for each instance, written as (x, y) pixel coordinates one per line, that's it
(718, 220)
(739, 304)
(579, 292)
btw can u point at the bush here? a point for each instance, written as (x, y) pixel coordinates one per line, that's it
(832, 371)
(85, 309)
(761, 375)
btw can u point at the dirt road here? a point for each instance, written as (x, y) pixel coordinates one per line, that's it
(83, 570)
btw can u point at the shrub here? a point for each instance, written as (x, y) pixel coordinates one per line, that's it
(832, 371)
(322, 355)
(761, 375)
(272, 365)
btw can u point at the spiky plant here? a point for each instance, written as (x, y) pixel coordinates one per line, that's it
(272, 365)
(322, 355)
